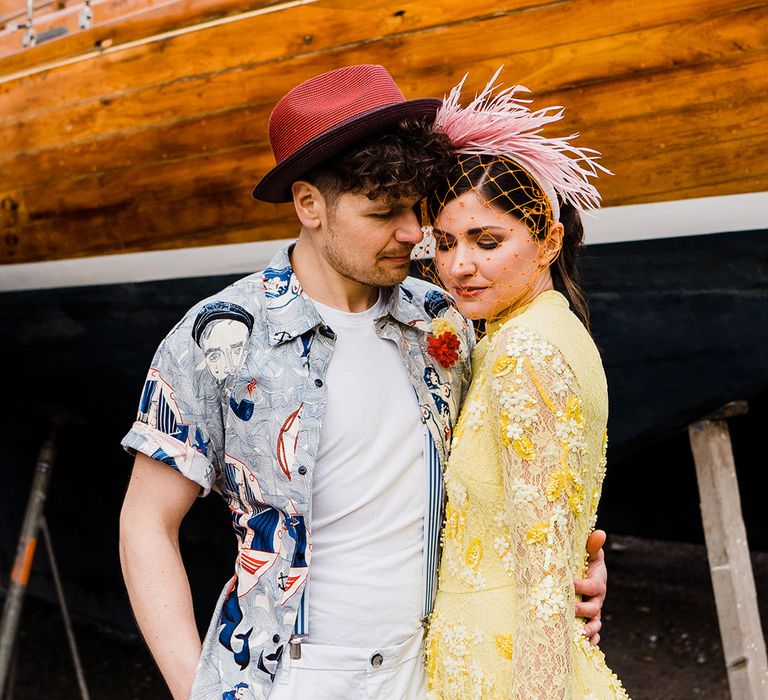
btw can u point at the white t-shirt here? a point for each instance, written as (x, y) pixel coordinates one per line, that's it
(368, 497)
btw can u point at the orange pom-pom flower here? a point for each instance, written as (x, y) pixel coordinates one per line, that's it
(444, 344)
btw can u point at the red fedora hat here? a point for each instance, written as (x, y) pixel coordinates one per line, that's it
(323, 115)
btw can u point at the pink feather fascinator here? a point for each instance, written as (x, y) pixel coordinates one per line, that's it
(500, 123)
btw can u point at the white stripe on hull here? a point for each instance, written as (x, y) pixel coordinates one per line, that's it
(635, 222)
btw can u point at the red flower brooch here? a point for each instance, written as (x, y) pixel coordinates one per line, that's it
(443, 344)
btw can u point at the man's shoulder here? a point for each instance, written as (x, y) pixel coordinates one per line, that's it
(242, 300)
(247, 291)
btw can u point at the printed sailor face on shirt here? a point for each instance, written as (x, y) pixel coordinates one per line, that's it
(223, 342)
(221, 330)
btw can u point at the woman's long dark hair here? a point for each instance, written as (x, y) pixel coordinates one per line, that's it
(565, 271)
(506, 185)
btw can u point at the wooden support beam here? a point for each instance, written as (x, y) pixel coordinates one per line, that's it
(728, 552)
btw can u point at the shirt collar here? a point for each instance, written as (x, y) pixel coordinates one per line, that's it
(289, 312)
(403, 308)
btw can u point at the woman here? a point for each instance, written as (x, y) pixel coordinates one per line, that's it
(528, 456)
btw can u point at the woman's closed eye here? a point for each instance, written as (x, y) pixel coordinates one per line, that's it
(445, 243)
(488, 242)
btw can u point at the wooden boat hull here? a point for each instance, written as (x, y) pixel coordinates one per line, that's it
(149, 133)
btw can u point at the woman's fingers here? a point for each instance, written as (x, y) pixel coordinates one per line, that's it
(588, 609)
(592, 630)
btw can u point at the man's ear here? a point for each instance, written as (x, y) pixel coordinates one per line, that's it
(309, 204)
(552, 244)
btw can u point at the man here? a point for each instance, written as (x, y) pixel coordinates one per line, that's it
(326, 436)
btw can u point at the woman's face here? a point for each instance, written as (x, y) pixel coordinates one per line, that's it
(488, 259)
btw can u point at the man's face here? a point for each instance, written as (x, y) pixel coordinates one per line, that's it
(370, 241)
(240, 693)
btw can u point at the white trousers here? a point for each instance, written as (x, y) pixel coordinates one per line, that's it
(345, 673)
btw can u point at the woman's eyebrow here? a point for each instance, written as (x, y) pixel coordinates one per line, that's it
(480, 230)
(476, 231)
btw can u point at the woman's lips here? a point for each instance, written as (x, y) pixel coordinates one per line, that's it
(469, 292)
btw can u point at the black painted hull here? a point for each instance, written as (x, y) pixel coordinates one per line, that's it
(682, 324)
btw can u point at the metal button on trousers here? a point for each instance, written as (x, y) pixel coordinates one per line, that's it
(377, 660)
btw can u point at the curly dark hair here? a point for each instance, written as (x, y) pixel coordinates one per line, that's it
(405, 161)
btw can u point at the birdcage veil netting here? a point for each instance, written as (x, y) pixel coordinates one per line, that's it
(489, 224)
(493, 223)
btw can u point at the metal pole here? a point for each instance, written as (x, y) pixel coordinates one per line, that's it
(30, 35)
(11, 687)
(85, 17)
(25, 555)
(64, 610)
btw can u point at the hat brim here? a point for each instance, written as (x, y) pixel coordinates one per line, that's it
(275, 186)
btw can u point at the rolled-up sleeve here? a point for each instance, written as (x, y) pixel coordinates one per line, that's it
(179, 420)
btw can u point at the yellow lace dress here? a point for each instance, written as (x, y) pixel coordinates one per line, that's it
(523, 483)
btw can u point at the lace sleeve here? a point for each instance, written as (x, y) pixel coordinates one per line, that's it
(537, 409)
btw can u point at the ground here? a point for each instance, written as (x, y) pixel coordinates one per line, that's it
(660, 634)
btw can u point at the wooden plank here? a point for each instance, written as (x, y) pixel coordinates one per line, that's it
(587, 61)
(665, 111)
(730, 566)
(342, 34)
(664, 132)
(12, 9)
(201, 10)
(725, 184)
(110, 27)
(230, 217)
(656, 176)
(163, 107)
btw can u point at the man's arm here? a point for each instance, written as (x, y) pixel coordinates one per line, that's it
(156, 502)
(593, 588)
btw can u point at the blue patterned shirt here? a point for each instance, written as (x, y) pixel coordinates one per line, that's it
(234, 401)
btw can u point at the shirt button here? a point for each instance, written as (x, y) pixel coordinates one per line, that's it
(302, 470)
(276, 639)
(377, 660)
(318, 382)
